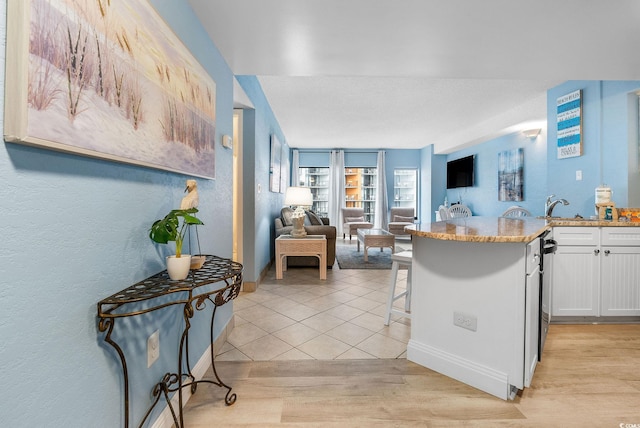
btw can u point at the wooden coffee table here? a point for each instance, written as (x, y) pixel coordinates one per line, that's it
(311, 245)
(378, 238)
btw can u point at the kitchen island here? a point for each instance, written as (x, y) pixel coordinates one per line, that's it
(476, 300)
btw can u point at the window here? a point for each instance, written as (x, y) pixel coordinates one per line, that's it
(316, 179)
(360, 190)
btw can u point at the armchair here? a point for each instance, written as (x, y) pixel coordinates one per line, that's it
(353, 219)
(400, 217)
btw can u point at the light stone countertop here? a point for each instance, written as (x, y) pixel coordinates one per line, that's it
(499, 229)
(587, 222)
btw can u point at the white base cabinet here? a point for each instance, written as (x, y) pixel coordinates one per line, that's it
(575, 281)
(620, 271)
(596, 272)
(474, 312)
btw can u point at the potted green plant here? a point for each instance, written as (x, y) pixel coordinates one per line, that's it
(174, 227)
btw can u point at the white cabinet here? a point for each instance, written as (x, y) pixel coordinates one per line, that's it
(620, 257)
(575, 281)
(405, 188)
(596, 272)
(475, 314)
(532, 311)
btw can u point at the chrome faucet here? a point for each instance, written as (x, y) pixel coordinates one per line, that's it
(550, 205)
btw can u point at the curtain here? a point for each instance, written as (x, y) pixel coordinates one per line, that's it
(380, 221)
(295, 164)
(336, 189)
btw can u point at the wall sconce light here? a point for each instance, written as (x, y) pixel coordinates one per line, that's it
(532, 133)
(227, 142)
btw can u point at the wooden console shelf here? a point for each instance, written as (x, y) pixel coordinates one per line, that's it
(157, 292)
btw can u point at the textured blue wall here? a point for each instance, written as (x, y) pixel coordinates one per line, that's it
(74, 232)
(259, 231)
(433, 183)
(482, 198)
(610, 141)
(610, 156)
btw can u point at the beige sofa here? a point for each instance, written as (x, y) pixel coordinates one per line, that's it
(284, 226)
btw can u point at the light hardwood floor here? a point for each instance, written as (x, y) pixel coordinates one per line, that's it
(589, 377)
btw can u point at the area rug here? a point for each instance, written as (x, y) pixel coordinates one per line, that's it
(349, 258)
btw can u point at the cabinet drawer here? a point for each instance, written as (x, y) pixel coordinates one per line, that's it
(629, 236)
(576, 235)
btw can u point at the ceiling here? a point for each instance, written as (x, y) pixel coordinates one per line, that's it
(409, 73)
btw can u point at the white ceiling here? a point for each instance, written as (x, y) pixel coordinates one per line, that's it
(409, 73)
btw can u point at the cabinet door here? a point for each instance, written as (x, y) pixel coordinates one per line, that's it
(575, 281)
(620, 281)
(532, 323)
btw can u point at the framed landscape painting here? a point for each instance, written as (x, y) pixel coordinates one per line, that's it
(275, 167)
(511, 175)
(107, 79)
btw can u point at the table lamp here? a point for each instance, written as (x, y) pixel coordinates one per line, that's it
(300, 197)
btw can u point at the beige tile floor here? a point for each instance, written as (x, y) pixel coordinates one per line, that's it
(302, 317)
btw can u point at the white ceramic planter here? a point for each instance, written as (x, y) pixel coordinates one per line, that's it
(178, 268)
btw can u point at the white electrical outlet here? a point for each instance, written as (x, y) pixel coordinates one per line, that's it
(153, 348)
(470, 322)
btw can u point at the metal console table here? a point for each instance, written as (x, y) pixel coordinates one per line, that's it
(193, 296)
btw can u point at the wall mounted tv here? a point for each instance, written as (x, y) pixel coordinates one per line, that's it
(460, 172)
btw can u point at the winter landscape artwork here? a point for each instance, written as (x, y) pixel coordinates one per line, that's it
(107, 79)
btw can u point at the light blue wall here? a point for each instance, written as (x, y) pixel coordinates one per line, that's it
(610, 126)
(74, 231)
(433, 183)
(261, 205)
(312, 159)
(482, 198)
(610, 156)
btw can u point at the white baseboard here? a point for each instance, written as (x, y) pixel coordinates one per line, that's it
(478, 376)
(165, 419)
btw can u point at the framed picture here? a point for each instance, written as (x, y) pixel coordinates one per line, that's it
(284, 169)
(275, 167)
(569, 119)
(107, 79)
(511, 175)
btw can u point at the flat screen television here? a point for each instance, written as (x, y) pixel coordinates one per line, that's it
(460, 172)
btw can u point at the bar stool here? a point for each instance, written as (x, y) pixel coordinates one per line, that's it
(399, 259)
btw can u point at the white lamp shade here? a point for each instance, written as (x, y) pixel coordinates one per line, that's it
(298, 196)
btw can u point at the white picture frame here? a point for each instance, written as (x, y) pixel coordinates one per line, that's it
(108, 80)
(275, 165)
